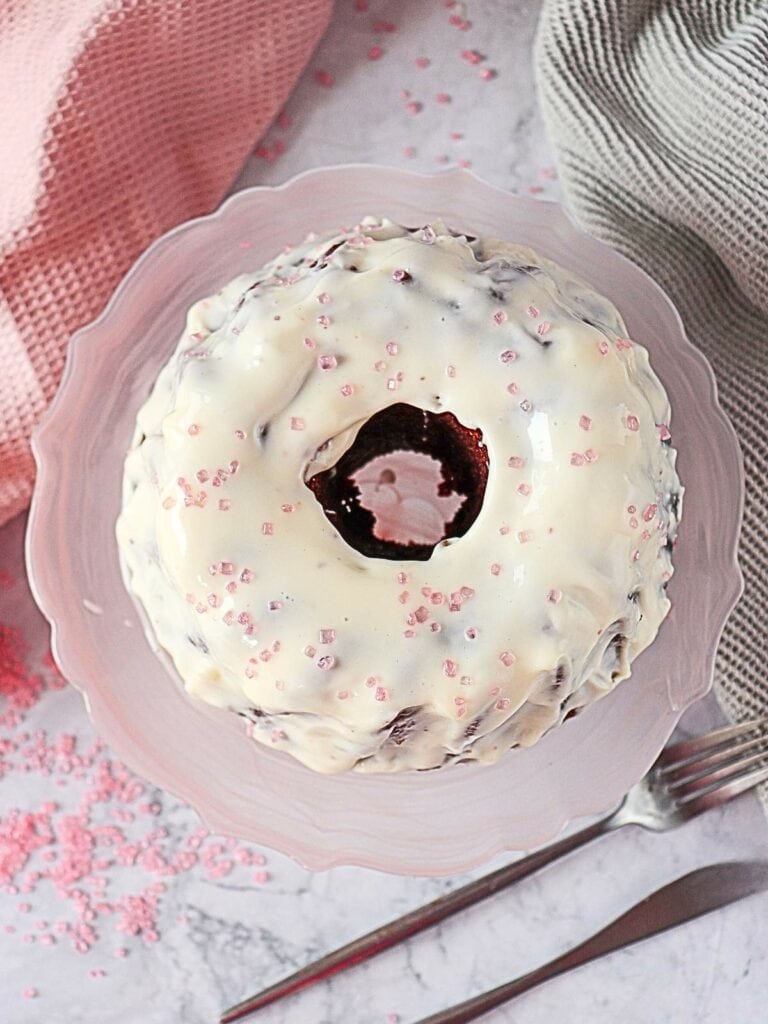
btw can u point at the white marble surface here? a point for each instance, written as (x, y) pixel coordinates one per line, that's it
(222, 937)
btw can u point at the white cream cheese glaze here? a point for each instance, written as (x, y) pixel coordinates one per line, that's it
(351, 662)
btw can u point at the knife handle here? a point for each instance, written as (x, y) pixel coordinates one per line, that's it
(684, 899)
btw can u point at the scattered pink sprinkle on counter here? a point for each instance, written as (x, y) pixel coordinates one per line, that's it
(112, 840)
(325, 79)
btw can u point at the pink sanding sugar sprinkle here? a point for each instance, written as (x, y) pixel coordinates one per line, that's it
(325, 78)
(21, 688)
(422, 62)
(450, 668)
(442, 98)
(81, 854)
(500, 317)
(633, 423)
(472, 57)
(413, 107)
(585, 422)
(30, 992)
(375, 53)
(327, 362)
(297, 423)
(7, 579)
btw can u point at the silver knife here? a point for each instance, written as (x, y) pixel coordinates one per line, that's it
(682, 900)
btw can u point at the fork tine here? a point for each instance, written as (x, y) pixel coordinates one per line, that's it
(688, 749)
(721, 792)
(689, 770)
(683, 788)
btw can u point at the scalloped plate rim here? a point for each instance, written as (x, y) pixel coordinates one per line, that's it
(44, 433)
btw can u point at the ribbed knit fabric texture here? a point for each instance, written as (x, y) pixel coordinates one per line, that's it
(118, 119)
(658, 113)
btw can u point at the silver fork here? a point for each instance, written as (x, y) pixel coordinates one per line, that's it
(688, 778)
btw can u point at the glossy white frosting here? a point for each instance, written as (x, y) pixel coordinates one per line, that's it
(266, 610)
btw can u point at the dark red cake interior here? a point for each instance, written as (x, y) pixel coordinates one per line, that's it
(463, 459)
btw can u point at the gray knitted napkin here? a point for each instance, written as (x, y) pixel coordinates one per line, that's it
(658, 114)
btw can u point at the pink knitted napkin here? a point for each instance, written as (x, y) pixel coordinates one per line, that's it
(118, 119)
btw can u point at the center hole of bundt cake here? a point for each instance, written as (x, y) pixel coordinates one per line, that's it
(411, 480)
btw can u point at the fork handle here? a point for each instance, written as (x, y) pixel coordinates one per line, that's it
(418, 920)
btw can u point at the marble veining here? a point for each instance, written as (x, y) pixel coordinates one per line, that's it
(221, 938)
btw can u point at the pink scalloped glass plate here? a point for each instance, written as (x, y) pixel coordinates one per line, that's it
(421, 823)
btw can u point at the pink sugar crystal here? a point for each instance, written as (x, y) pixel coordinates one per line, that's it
(114, 838)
